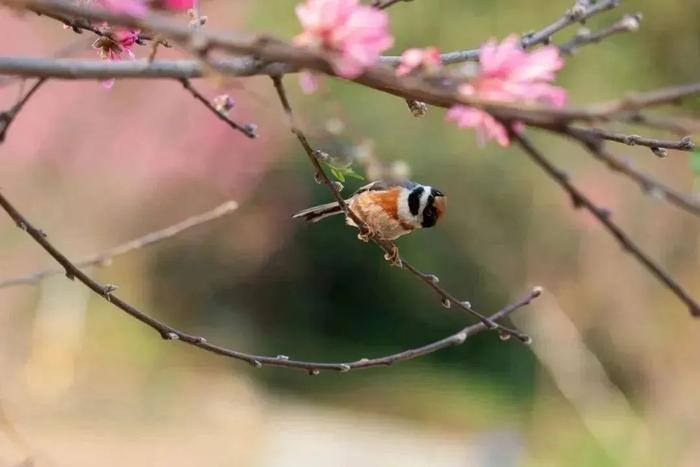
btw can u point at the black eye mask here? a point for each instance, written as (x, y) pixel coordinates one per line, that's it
(429, 213)
(414, 200)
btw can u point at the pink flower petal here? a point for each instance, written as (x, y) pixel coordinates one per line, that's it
(355, 34)
(542, 64)
(509, 74)
(498, 59)
(485, 125)
(413, 59)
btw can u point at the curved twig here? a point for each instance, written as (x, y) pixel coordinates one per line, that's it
(628, 23)
(105, 258)
(8, 116)
(170, 333)
(248, 129)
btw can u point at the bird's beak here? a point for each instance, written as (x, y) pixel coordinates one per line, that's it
(440, 205)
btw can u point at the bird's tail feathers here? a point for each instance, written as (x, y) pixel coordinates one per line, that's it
(317, 213)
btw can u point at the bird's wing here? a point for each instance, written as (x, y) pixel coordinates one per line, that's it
(372, 186)
(380, 185)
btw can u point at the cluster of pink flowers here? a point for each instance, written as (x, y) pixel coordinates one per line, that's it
(353, 34)
(509, 74)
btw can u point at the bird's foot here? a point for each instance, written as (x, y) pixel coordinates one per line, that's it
(365, 234)
(393, 256)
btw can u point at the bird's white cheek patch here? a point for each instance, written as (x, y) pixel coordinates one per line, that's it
(424, 200)
(404, 210)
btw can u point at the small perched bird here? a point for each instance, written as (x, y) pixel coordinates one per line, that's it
(390, 210)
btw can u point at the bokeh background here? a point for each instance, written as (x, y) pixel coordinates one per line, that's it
(612, 378)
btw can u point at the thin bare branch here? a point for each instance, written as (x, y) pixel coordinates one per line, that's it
(247, 129)
(73, 69)
(646, 182)
(170, 333)
(8, 116)
(603, 215)
(390, 249)
(668, 95)
(680, 126)
(105, 258)
(683, 144)
(580, 12)
(628, 23)
(80, 25)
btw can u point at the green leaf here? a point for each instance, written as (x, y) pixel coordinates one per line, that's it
(338, 174)
(341, 173)
(352, 174)
(695, 161)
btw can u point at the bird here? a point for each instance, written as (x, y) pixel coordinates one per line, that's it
(388, 209)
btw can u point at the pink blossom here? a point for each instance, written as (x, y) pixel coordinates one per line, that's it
(412, 59)
(485, 125)
(131, 7)
(355, 34)
(116, 48)
(509, 74)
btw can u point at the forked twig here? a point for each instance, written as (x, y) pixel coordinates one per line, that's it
(604, 217)
(8, 116)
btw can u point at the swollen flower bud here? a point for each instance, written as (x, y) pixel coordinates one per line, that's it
(223, 104)
(631, 22)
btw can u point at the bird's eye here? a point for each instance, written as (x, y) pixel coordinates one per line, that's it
(429, 216)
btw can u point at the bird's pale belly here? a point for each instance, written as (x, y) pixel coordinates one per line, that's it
(377, 218)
